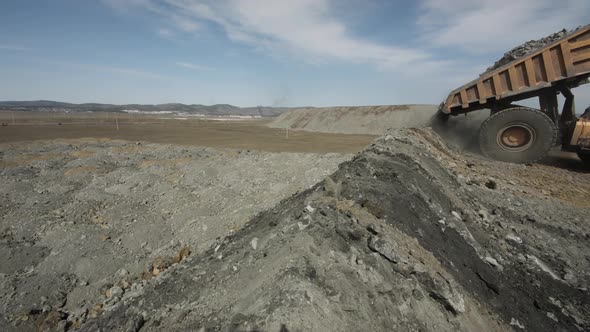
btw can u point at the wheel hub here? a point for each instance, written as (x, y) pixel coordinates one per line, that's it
(516, 137)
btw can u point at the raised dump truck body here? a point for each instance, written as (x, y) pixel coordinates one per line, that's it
(521, 134)
(564, 61)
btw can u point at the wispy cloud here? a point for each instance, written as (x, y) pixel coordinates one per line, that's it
(107, 68)
(494, 26)
(14, 48)
(163, 32)
(311, 31)
(193, 66)
(302, 28)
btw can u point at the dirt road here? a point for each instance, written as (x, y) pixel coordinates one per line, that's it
(240, 134)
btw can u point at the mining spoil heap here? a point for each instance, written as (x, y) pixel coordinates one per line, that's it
(408, 235)
(372, 120)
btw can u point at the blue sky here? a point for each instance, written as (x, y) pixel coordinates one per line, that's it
(263, 52)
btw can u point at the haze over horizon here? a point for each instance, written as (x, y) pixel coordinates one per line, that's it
(264, 52)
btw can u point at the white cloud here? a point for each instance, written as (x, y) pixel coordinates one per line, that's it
(484, 26)
(193, 66)
(302, 28)
(14, 48)
(310, 31)
(163, 32)
(107, 68)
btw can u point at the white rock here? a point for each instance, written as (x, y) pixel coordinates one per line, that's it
(115, 292)
(309, 209)
(301, 225)
(254, 243)
(492, 261)
(514, 238)
(515, 322)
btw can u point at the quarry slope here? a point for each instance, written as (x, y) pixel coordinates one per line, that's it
(373, 120)
(408, 235)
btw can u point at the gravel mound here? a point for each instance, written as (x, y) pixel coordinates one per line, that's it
(408, 235)
(528, 48)
(373, 120)
(85, 222)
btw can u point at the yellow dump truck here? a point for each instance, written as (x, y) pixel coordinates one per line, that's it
(522, 134)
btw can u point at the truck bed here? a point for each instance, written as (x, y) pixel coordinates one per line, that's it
(567, 59)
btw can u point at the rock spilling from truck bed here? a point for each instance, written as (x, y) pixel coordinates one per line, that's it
(528, 48)
(408, 235)
(374, 120)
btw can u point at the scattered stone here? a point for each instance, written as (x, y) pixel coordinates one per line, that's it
(516, 323)
(183, 253)
(134, 324)
(483, 214)
(372, 229)
(385, 248)
(443, 291)
(491, 184)
(254, 243)
(514, 238)
(58, 299)
(569, 275)
(96, 310)
(115, 291)
(160, 264)
(122, 272)
(492, 261)
(301, 225)
(309, 209)
(456, 215)
(52, 321)
(544, 267)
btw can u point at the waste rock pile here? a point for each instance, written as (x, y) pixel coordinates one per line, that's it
(85, 224)
(408, 235)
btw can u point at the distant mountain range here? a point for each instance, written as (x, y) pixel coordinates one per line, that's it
(174, 108)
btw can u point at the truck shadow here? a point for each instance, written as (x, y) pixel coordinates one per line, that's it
(565, 160)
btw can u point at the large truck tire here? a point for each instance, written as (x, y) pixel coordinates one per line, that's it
(517, 135)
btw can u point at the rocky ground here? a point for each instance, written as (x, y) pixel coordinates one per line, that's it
(85, 222)
(408, 235)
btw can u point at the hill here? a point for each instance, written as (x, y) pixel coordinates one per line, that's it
(171, 108)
